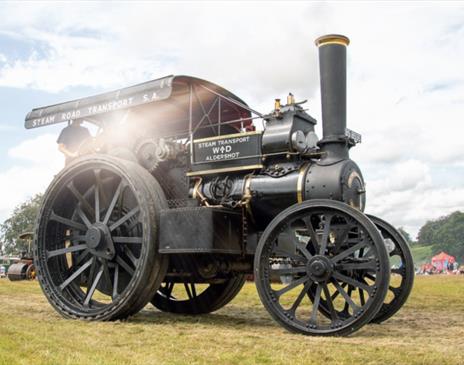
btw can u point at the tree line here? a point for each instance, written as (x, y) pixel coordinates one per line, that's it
(444, 234)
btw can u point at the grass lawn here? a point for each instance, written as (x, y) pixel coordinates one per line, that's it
(428, 330)
(422, 254)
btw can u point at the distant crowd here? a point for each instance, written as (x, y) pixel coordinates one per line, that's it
(452, 268)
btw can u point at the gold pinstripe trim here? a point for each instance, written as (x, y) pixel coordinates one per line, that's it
(299, 184)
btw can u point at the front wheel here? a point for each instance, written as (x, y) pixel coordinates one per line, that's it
(318, 252)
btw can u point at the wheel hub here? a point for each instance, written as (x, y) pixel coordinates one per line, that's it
(319, 268)
(98, 239)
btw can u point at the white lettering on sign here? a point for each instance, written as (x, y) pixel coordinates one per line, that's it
(147, 97)
(71, 115)
(112, 105)
(43, 121)
(222, 149)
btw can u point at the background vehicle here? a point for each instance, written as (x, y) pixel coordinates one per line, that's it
(23, 269)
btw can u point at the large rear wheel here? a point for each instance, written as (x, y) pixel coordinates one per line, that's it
(96, 239)
(402, 271)
(196, 298)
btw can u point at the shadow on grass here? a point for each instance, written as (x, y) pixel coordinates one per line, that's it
(234, 318)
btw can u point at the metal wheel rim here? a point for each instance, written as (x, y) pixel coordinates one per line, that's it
(303, 278)
(58, 279)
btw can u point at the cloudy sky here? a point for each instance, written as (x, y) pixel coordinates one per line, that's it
(405, 80)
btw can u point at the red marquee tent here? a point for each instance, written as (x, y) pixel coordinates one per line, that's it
(442, 260)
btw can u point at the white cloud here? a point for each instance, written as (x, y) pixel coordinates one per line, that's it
(36, 161)
(405, 83)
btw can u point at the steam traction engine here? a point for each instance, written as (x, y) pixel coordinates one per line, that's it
(178, 197)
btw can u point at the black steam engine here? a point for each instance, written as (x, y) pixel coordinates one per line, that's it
(179, 197)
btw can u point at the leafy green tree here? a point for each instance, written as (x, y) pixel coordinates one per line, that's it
(450, 235)
(406, 235)
(428, 231)
(21, 220)
(445, 234)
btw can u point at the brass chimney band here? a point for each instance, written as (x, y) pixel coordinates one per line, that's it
(332, 39)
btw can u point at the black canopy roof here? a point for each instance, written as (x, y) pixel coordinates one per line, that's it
(171, 102)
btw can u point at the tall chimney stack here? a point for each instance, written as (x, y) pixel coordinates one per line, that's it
(332, 65)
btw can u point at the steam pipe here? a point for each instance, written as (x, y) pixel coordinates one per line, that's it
(332, 65)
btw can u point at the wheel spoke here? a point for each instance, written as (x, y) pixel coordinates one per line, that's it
(106, 273)
(115, 281)
(82, 256)
(289, 270)
(127, 240)
(67, 222)
(91, 291)
(82, 215)
(99, 187)
(169, 287)
(300, 297)
(113, 202)
(97, 203)
(85, 204)
(346, 296)
(370, 265)
(349, 251)
(317, 299)
(65, 250)
(328, 299)
(76, 274)
(93, 268)
(131, 256)
(361, 296)
(194, 290)
(299, 246)
(293, 284)
(352, 281)
(75, 238)
(312, 233)
(187, 289)
(325, 234)
(337, 293)
(124, 218)
(124, 265)
(341, 237)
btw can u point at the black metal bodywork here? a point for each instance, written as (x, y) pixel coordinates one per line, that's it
(212, 198)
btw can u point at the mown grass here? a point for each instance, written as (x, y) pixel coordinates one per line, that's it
(428, 330)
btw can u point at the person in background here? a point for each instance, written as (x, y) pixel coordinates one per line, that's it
(71, 138)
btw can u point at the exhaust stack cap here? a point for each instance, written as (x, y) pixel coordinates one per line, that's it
(332, 39)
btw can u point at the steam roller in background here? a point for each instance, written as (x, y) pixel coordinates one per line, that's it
(178, 198)
(23, 269)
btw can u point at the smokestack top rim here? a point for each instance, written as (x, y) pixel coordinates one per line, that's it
(332, 39)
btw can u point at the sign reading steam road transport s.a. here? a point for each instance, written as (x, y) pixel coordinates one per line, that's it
(227, 151)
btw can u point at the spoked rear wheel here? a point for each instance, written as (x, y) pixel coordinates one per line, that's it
(96, 239)
(196, 298)
(319, 247)
(402, 278)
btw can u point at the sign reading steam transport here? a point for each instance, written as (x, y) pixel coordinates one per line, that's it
(243, 146)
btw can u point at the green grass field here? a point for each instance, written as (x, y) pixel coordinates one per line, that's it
(422, 254)
(428, 330)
